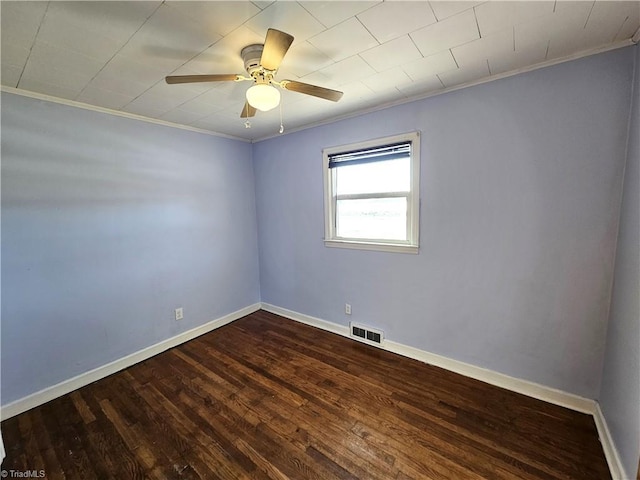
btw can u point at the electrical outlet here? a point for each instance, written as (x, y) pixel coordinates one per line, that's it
(347, 308)
(179, 314)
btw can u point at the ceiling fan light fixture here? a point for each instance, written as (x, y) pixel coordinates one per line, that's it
(263, 97)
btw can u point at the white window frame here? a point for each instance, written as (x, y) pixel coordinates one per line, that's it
(411, 245)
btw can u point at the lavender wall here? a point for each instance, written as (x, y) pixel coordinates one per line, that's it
(520, 189)
(108, 224)
(620, 393)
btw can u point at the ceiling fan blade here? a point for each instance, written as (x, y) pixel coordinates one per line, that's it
(247, 111)
(276, 45)
(228, 77)
(308, 89)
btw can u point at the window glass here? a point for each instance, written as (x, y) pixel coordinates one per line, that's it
(375, 218)
(381, 177)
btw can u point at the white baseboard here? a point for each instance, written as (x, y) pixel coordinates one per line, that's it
(22, 405)
(525, 387)
(609, 446)
(518, 385)
(307, 319)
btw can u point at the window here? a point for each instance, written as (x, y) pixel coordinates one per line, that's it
(372, 194)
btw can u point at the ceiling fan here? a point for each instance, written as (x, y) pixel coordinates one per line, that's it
(261, 62)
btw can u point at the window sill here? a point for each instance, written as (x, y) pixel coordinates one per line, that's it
(380, 247)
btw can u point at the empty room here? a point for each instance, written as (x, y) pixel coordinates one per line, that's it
(320, 240)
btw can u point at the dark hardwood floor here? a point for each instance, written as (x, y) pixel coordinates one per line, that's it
(265, 397)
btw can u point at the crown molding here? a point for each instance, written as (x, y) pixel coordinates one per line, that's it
(117, 113)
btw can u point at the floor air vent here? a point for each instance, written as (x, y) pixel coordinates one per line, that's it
(366, 334)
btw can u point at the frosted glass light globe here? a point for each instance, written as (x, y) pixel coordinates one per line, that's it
(263, 97)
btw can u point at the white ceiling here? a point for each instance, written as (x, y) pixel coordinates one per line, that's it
(116, 54)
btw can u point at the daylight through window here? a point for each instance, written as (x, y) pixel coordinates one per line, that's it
(371, 194)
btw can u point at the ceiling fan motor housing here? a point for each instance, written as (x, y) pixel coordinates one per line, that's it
(251, 56)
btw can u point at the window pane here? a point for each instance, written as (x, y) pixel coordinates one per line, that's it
(375, 177)
(373, 218)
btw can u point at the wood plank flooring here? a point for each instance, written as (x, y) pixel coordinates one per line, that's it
(269, 398)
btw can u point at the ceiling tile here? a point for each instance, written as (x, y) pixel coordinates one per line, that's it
(180, 116)
(60, 91)
(381, 98)
(155, 99)
(427, 67)
(464, 75)
(262, 4)
(448, 33)
(183, 91)
(130, 70)
(308, 110)
(23, 11)
(104, 98)
(144, 109)
(112, 81)
(393, 53)
(303, 59)
(605, 22)
(288, 17)
(232, 114)
(20, 20)
(386, 82)
(561, 27)
(197, 107)
(495, 16)
(288, 99)
(575, 6)
(68, 68)
(522, 57)
(15, 55)
(223, 96)
(54, 76)
(330, 13)
(567, 16)
(495, 45)
(223, 123)
(390, 20)
(426, 85)
(59, 32)
(221, 17)
(224, 56)
(10, 74)
(344, 40)
(607, 19)
(117, 20)
(346, 71)
(444, 9)
(354, 92)
(628, 29)
(168, 39)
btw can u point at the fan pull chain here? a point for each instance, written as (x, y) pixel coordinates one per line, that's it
(281, 125)
(247, 123)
